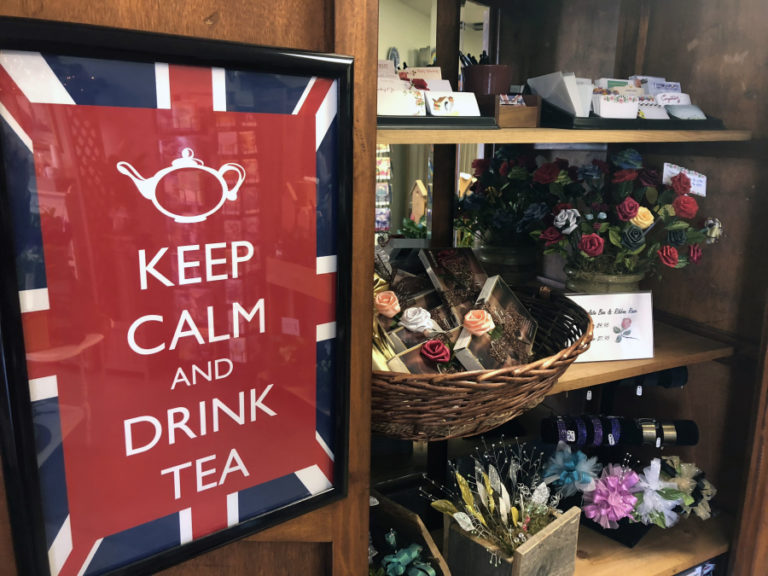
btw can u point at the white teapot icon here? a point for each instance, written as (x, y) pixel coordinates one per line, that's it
(148, 186)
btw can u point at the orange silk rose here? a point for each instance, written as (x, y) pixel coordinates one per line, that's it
(387, 304)
(478, 322)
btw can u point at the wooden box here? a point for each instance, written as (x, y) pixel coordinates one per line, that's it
(552, 551)
(409, 528)
(527, 116)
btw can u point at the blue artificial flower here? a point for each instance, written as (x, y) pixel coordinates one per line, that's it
(590, 172)
(571, 473)
(628, 159)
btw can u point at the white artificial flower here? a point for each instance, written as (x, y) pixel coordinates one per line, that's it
(567, 220)
(416, 320)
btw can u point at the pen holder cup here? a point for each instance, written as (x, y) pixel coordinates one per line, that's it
(486, 81)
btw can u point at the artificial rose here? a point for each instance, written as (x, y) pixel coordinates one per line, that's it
(643, 219)
(713, 229)
(685, 206)
(604, 167)
(628, 159)
(624, 176)
(694, 253)
(504, 169)
(567, 220)
(387, 304)
(668, 256)
(627, 209)
(416, 319)
(592, 245)
(480, 165)
(478, 322)
(632, 237)
(676, 237)
(681, 184)
(546, 173)
(550, 236)
(649, 177)
(435, 351)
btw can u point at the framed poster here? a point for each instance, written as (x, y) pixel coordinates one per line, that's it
(175, 292)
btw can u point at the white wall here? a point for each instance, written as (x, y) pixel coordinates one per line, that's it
(403, 27)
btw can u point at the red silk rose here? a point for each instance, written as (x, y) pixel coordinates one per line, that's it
(694, 253)
(649, 177)
(547, 173)
(480, 165)
(668, 256)
(603, 166)
(681, 184)
(627, 209)
(435, 351)
(592, 245)
(624, 176)
(550, 236)
(685, 206)
(504, 169)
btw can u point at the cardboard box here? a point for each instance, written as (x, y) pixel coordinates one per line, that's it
(527, 116)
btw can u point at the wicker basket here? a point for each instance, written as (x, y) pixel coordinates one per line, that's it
(441, 406)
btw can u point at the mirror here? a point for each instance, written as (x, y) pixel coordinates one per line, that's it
(407, 36)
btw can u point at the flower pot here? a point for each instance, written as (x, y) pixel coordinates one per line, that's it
(515, 264)
(598, 283)
(552, 551)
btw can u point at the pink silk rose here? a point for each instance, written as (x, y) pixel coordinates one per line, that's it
(387, 304)
(478, 322)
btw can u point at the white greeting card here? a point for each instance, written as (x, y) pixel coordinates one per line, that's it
(649, 109)
(686, 112)
(387, 68)
(451, 103)
(656, 87)
(623, 325)
(391, 102)
(698, 180)
(425, 72)
(668, 98)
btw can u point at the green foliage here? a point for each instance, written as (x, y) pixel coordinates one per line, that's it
(413, 229)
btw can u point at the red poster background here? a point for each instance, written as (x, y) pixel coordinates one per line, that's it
(94, 223)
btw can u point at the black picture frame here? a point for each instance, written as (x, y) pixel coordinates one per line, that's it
(17, 423)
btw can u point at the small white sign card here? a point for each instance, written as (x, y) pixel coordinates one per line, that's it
(698, 180)
(623, 325)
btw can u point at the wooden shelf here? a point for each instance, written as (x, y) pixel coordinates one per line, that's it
(673, 347)
(659, 553)
(552, 136)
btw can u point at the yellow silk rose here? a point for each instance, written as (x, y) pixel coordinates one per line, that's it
(643, 219)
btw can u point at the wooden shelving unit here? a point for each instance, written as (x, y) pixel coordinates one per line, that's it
(673, 347)
(659, 553)
(552, 136)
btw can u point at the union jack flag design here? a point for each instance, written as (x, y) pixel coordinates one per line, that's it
(163, 411)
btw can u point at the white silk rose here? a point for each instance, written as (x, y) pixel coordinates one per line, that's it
(567, 220)
(416, 320)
